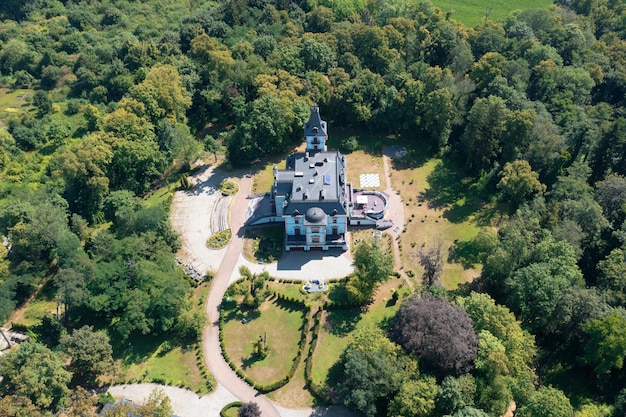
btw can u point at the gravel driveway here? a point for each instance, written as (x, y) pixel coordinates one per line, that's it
(192, 215)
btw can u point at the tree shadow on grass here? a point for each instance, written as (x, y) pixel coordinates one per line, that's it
(250, 361)
(464, 253)
(239, 313)
(450, 190)
(413, 159)
(342, 322)
(138, 348)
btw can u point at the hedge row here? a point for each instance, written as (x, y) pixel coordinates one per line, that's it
(320, 391)
(229, 406)
(265, 388)
(333, 305)
(204, 369)
(290, 300)
(338, 280)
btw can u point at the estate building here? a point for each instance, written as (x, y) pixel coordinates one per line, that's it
(312, 197)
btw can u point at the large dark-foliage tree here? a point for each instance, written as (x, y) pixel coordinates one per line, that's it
(439, 333)
(249, 409)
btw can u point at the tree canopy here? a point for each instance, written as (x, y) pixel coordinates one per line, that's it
(438, 333)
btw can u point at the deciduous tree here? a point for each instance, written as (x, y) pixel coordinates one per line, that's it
(90, 352)
(374, 369)
(518, 182)
(249, 409)
(547, 402)
(606, 346)
(372, 267)
(439, 333)
(35, 372)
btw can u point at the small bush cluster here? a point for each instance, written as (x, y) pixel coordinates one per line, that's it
(219, 240)
(228, 187)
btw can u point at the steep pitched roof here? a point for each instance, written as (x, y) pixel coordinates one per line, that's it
(315, 126)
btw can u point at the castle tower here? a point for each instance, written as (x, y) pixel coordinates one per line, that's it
(315, 132)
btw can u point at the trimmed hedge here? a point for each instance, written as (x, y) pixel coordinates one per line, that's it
(289, 300)
(204, 369)
(265, 388)
(319, 391)
(229, 406)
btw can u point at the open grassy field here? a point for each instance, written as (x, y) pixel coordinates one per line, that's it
(14, 103)
(439, 207)
(176, 366)
(280, 323)
(472, 12)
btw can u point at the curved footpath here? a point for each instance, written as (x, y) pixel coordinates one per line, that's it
(210, 339)
(191, 216)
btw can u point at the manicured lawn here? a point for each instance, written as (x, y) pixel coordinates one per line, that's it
(279, 322)
(264, 178)
(290, 290)
(359, 163)
(439, 206)
(172, 367)
(231, 412)
(294, 394)
(471, 12)
(334, 335)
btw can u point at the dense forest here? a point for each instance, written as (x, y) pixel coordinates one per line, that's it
(531, 108)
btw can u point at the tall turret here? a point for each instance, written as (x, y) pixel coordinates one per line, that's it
(315, 132)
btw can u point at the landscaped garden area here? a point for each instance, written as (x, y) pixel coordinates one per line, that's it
(438, 207)
(310, 330)
(263, 244)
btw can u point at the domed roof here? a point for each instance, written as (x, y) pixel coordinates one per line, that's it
(314, 215)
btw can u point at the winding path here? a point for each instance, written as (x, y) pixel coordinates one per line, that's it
(210, 338)
(191, 216)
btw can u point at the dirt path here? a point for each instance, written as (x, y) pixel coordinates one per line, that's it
(210, 338)
(191, 215)
(395, 213)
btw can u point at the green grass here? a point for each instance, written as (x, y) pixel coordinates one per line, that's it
(13, 103)
(264, 178)
(439, 204)
(37, 310)
(334, 336)
(280, 322)
(472, 12)
(160, 196)
(176, 367)
(232, 412)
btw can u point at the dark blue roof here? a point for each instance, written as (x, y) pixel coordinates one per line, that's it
(315, 126)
